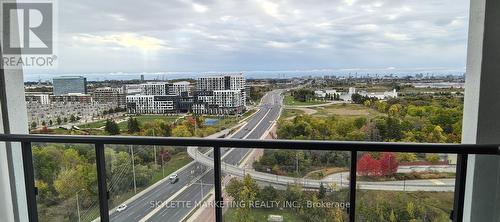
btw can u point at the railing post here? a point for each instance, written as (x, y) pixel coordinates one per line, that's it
(461, 174)
(218, 185)
(29, 178)
(101, 182)
(352, 186)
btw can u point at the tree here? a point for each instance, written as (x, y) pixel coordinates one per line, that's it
(44, 123)
(392, 217)
(245, 192)
(181, 131)
(432, 157)
(111, 127)
(71, 159)
(165, 129)
(388, 164)
(51, 123)
(357, 98)
(322, 191)
(33, 125)
(436, 136)
(268, 193)
(367, 166)
(302, 95)
(69, 181)
(410, 208)
(406, 157)
(233, 189)
(359, 122)
(133, 125)
(46, 163)
(58, 120)
(72, 118)
(44, 192)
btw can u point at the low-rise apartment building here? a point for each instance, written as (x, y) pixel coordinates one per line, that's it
(109, 95)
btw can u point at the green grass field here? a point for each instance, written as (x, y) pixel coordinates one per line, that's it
(289, 113)
(148, 119)
(290, 101)
(346, 110)
(339, 110)
(262, 214)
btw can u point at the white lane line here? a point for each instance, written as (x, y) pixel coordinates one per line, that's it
(256, 126)
(437, 182)
(167, 201)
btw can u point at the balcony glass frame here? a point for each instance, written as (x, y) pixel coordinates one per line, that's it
(462, 150)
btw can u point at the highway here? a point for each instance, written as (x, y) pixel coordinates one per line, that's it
(196, 178)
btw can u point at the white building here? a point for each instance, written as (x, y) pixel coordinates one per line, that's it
(319, 94)
(381, 95)
(210, 83)
(330, 92)
(151, 104)
(179, 87)
(224, 84)
(132, 89)
(220, 102)
(378, 95)
(155, 88)
(43, 99)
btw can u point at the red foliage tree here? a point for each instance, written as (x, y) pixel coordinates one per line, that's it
(367, 166)
(388, 164)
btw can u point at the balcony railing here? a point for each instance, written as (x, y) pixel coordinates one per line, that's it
(462, 151)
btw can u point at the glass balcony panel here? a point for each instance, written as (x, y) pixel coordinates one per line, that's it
(405, 186)
(66, 180)
(286, 185)
(158, 182)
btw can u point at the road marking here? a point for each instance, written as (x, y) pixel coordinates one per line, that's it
(164, 203)
(257, 125)
(437, 182)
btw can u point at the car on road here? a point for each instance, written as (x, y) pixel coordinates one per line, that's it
(174, 178)
(121, 208)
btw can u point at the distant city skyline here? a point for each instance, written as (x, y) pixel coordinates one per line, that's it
(250, 75)
(225, 36)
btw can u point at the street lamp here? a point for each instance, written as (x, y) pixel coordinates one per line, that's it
(133, 167)
(162, 165)
(78, 205)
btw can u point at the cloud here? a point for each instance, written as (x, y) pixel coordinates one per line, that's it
(263, 34)
(279, 45)
(269, 7)
(349, 2)
(397, 36)
(121, 41)
(199, 8)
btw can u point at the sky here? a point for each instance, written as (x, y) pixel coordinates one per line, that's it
(96, 36)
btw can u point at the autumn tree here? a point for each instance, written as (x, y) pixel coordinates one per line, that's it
(388, 164)
(368, 166)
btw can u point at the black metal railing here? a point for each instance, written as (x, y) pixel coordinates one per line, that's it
(353, 147)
